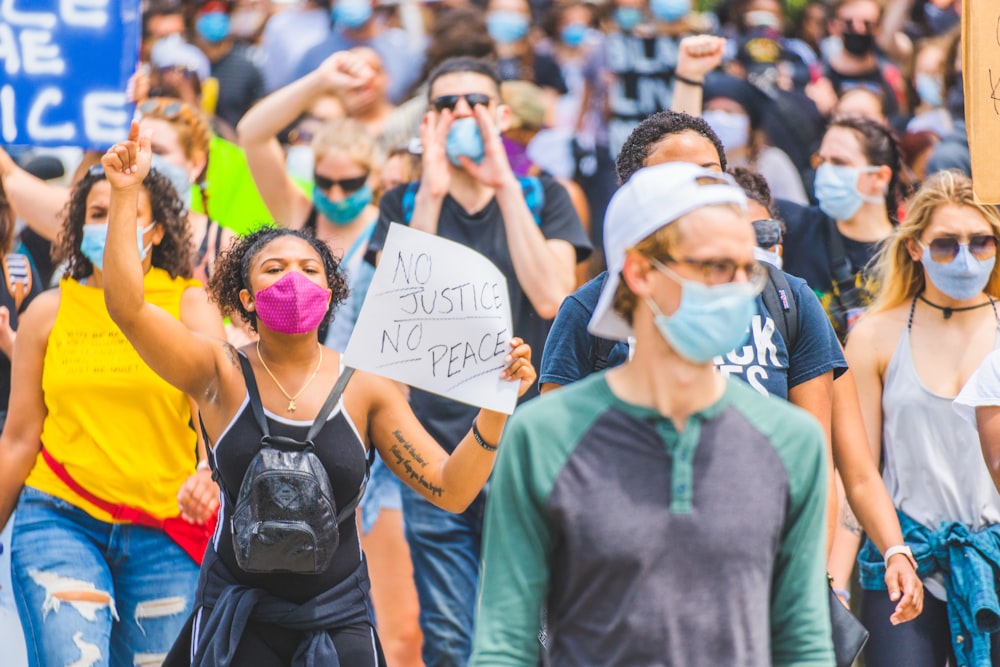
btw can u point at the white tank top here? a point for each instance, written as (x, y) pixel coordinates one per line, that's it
(934, 468)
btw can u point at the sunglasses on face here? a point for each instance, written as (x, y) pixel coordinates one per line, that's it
(945, 249)
(167, 110)
(346, 184)
(451, 101)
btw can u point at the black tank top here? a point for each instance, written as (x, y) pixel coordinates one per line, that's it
(341, 451)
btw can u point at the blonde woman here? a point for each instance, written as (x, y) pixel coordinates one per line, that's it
(934, 321)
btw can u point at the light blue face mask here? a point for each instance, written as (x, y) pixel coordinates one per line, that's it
(506, 27)
(464, 139)
(670, 10)
(572, 35)
(930, 89)
(351, 13)
(177, 176)
(345, 211)
(711, 320)
(628, 18)
(213, 27)
(963, 277)
(95, 238)
(836, 189)
(733, 129)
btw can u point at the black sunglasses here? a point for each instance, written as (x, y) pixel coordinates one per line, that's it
(945, 249)
(346, 184)
(449, 102)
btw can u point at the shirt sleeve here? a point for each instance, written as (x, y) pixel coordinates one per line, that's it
(817, 350)
(800, 611)
(983, 388)
(567, 354)
(560, 221)
(517, 544)
(390, 210)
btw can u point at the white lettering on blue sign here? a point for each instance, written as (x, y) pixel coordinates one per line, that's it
(48, 97)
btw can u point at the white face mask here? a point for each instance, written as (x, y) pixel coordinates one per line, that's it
(733, 128)
(772, 257)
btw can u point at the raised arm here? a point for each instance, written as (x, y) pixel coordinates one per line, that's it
(35, 201)
(187, 360)
(259, 128)
(449, 481)
(697, 56)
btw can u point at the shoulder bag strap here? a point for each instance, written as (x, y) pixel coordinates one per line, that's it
(840, 264)
(255, 403)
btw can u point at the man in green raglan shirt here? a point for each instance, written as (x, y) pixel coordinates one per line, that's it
(661, 514)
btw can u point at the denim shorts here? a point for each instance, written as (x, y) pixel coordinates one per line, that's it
(95, 593)
(382, 493)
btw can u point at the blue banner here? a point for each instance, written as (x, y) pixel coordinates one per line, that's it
(65, 67)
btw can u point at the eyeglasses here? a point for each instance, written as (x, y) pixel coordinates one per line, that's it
(165, 109)
(346, 184)
(945, 249)
(449, 102)
(717, 271)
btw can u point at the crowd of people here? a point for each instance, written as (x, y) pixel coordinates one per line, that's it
(755, 342)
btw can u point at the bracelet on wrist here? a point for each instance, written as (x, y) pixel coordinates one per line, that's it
(203, 465)
(479, 438)
(844, 594)
(899, 549)
(690, 82)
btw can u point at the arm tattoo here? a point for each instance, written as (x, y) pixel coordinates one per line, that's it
(849, 521)
(413, 473)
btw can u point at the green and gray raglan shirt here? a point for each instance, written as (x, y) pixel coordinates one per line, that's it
(650, 547)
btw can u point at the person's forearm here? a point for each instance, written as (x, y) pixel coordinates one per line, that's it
(38, 203)
(271, 115)
(427, 209)
(541, 273)
(16, 461)
(875, 513)
(687, 98)
(846, 541)
(7, 343)
(466, 470)
(124, 292)
(893, 17)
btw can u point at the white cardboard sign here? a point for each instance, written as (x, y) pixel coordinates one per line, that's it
(437, 317)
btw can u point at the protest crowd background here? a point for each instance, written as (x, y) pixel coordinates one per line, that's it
(838, 130)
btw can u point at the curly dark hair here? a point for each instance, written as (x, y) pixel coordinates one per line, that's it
(174, 254)
(232, 272)
(652, 130)
(6, 221)
(881, 147)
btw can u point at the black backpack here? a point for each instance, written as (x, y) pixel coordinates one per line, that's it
(285, 518)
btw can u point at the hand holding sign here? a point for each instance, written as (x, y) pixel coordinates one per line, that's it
(437, 317)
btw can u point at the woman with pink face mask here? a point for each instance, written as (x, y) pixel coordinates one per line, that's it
(285, 283)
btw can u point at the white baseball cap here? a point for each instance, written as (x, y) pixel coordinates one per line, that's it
(653, 198)
(174, 51)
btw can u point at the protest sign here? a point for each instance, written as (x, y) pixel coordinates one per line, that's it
(981, 78)
(437, 317)
(66, 64)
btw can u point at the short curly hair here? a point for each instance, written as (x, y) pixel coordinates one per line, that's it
(652, 130)
(232, 272)
(174, 254)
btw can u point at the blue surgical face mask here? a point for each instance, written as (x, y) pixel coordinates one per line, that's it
(506, 27)
(345, 211)
(711, 320)
(95, 238)
(351, 13)
(930, 89)
(213, 27)
(572, 35)
(963, 277)
(464, 139)
(177, 175)
(733, 128)
(670, 10)
(628, 18)
(836, 189)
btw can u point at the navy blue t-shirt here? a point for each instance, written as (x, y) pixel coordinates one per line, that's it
(763, 361)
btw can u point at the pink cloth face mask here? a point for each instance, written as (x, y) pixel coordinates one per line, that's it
(293, 305)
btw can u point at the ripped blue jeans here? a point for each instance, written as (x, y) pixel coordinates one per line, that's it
(94, 593)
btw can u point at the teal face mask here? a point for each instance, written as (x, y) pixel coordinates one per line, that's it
(506, 27)
(670, 10)
(628, 18)
(464, 139)
(711, 320)
(345, 211)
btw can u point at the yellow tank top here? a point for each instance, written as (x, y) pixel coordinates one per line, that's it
(122, 432)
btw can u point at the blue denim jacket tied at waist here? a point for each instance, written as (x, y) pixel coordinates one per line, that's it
(970, 563)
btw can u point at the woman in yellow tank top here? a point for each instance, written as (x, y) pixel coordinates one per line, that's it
(98, 452)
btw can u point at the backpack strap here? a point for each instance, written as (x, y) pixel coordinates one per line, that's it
(254, 392)
(602, 352)
(17, 276)
(331, 402)
(841, 269)
(779, 300)
(531, 187)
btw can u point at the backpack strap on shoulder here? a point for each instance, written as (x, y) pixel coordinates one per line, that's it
(410, 200)
(330, 403)
(780, 304)
(254, 392)
(17, 276)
